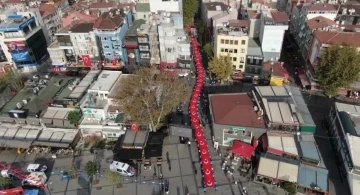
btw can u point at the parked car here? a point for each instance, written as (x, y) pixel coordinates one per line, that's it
(122, 168)
(36, 168)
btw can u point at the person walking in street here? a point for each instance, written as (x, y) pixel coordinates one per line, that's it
(154, 175)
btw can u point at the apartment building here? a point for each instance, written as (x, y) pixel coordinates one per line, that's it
(272, 30)
(110, 29)
(22, 40)
(165, 5)
(148, 42)
(142, 11)
(85, 44)
(349, 13)
(174, 42)
(254, 60)
(232, 39)
(209, 10)
(51, 16)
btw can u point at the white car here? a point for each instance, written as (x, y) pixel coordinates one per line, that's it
(36, 168)
(122, 168)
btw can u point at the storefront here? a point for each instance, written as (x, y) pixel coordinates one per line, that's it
(57, 139)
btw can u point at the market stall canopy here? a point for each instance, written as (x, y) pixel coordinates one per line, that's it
(243, 150)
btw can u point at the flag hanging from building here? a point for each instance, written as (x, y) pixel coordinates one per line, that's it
(134, 127)
(86, 60)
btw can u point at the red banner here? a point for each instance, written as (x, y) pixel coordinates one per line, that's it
(86, 60)
(114, 62)
(134, 127)
(15, 46)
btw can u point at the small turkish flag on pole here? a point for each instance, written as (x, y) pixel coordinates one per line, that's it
(134, 127)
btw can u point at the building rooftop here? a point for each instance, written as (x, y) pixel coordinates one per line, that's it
(253, 42)
(135, 139)
(36, 103)
(82, 28)
(308, 147)
(253, 14)
(105, 81)
(232, 31)
(81, 88)
(110, 20)
(235, 109)
(216, 6)
(276, 69)
(320, 22)
(320, 7)
(65, 92)
(133, 30)
(275, 16)
(282, 144)
(46, 10)
(312, 177)
(71, 18)
(342, 38)
(142, 7)
(14, 23)
(277, 169)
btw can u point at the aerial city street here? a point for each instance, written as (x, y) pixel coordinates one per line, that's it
(185, 97)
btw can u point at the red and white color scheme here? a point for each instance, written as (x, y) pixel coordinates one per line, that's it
(207, 168)
(13, 191)
(86, 60)
(134, 127)
(18, 173)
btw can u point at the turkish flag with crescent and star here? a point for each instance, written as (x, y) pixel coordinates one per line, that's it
(134, 127)
(87, 60)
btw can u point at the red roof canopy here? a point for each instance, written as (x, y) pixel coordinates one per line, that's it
(242, 149)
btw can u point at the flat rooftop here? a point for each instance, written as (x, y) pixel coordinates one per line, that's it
(81, 88)
(67, 89)
(282, 144)
(105, 81)
(36, 103)
(236, 110)
(354, 148)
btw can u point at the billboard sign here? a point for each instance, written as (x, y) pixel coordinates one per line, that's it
(17, 28)
(181, 131)
(18, 51)
(273, 35)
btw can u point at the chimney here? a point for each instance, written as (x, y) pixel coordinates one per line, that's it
(87, 12)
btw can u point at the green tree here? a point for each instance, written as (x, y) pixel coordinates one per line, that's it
(5, 182)
(90, 169)
(201, 29)
(289, 187)
(190, 7)
(221, 67)
(14, 80)
(148, 96)
(113, 177)
(74, 117)
(208, 50)
(338, 68)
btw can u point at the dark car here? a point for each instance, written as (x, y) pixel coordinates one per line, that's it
(183, 140)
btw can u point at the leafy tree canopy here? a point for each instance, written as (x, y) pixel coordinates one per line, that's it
(338, 68)
(16, 81)
(221, 67)
(74, 117)
(148, 96)
(190, 7)
(90, 168)
(289, 187)
(4, 182)
(113, 177)
(208, 50)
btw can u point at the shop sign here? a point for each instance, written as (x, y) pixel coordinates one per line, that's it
(237, 129)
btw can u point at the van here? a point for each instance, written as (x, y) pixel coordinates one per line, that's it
(122, 168)
(36, 168)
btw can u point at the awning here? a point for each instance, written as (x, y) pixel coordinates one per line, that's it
(243, 150)
(153, 151)
(47, 120)
(128, 154)
(51, 144)
(58, 122)
(18, 144)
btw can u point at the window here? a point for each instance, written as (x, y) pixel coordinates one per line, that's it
(221, 49)
(108, 54)
(226, 41)
(145, 55)
(235, 50)
(222, 41)
(234, 59)
(243, 42)
(106, 47)
(143, 48)
(104, 38)
(230, 50)
(236, 42)
(234, 67)
(226, 50)
(144, 16)
(242, 60)
(142, 40)
(231, 42)
(242, 50)
(241, 66)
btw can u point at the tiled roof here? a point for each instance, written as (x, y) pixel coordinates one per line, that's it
(102, 4)
(14, 2)
(46, 10)
(320, 22)
(216, 6)
(279, 16)
(253, 14)
(77, 16)
(110, 20)
(239, 23)
(342, 38)
(82, 28)
(236, 110)
(321, 7)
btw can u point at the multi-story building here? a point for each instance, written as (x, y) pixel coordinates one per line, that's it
(305, 31)
(254, 17)
(174, 42)
(343, 123)
(142, 11)
(209, 10)
(22, 40)
(232, 39)
(148, 37)
(85, 44)
(272, 30)
(131, 48)
(322, 40)
(349, 13)
(254, 59)
(100, 118)
(165, 5)
(52, 21)
(110, 28)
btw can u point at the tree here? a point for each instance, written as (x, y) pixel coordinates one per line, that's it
(74, 117)
(147, 97)
(338, 68)
(4, 182)
(221, 67)
(190, 7)
(16, 81)
(289, 187)
(201, 29)
(208, 50)
(90, 169)
(113, 177)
